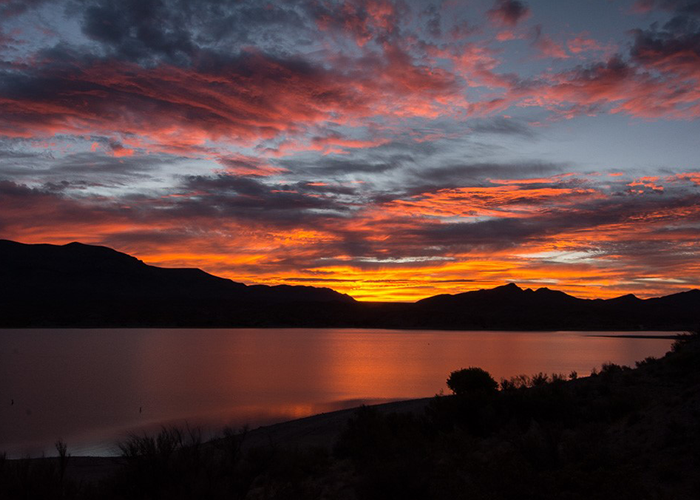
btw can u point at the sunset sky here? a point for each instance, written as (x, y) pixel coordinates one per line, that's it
(391, 150)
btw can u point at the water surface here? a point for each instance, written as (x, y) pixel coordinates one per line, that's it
(94, 387)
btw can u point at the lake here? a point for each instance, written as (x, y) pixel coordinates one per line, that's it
(92, 388)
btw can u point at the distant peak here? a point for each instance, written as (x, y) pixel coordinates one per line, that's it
(510, 286)
(630, 297)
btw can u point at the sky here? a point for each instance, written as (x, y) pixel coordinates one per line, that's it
(391, 150)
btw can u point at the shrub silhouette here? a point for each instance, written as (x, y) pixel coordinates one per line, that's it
(473, 382)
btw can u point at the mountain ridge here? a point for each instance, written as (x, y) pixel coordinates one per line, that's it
(78, 285)
(113, 260)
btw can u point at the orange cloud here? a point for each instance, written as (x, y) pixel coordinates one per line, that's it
(502, 201)
(561, 232)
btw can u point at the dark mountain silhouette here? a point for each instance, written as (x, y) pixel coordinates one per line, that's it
(504, 306)
(78, 284)
(91, 286)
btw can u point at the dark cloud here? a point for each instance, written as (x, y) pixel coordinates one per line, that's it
(691, 7)
(490, 234)
(612, 70)
(69, 185)
(249, 198)
(508, 12)
(462, 30)
(476, 174)
(176, 31)
(99, 164)
(673, 50)
(23, 207)
(433, 21)
(89, 166)
(12, 8)
(253, 22)
(138, 30)
(502, 126)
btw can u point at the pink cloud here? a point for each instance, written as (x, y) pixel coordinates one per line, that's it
(582, 43)
(251, 99)
(547, 46)
(240, 164)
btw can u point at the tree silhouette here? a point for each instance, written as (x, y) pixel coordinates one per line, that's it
(473, 382)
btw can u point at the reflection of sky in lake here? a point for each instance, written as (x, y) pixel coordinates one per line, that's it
(86, 386)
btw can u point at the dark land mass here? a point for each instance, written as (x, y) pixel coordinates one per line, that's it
(620, 434)
(78, 285)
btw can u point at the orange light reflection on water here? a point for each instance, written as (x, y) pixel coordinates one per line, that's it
(94, 387)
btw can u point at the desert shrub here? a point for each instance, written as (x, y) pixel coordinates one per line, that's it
(611, 368)
(230, 444)
(558, 378)
(650, 360)
(473, 382)
(507, 385)
(539, 379)
(176, 464)
(517, 382)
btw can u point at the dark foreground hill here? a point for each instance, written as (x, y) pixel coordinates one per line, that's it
(78, 285)
(622, 434)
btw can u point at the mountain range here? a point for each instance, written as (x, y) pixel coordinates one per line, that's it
(77, 285)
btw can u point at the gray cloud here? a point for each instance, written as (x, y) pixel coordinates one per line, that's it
(509, 12)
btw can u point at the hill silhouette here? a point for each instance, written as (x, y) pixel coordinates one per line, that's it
(92, 286)
(543, 308)
(86, 285)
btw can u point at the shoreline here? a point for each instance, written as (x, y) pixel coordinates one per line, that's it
(660, 328)
(315, 431)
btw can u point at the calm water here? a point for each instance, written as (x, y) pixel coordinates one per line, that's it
(94, 387)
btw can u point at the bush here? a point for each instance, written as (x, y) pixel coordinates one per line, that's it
(473, 382)
(540, 379)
